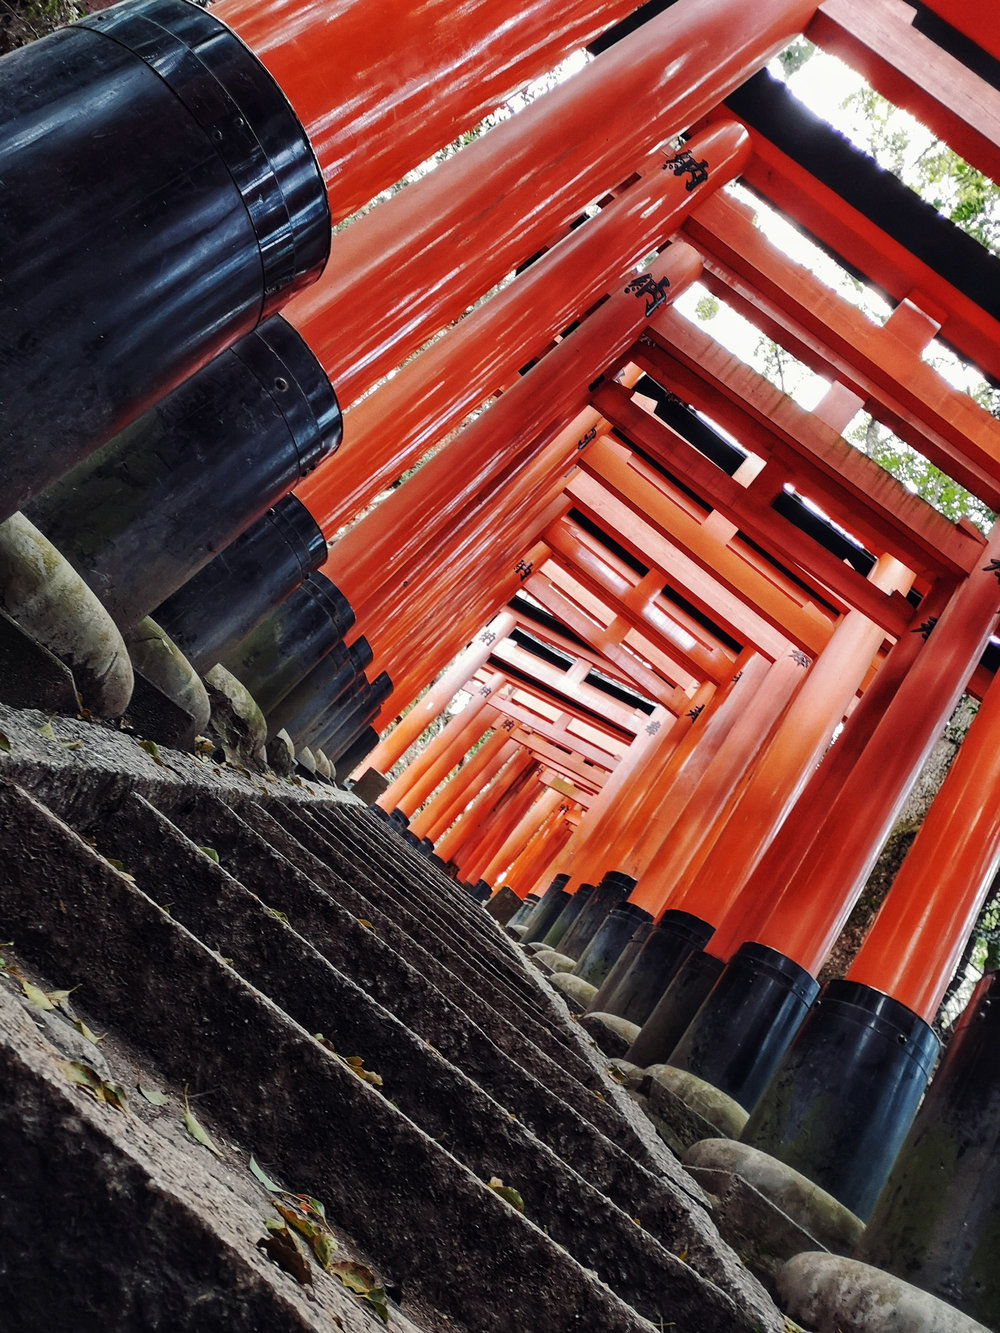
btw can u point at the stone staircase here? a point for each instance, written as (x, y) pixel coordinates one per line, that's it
(253, 948)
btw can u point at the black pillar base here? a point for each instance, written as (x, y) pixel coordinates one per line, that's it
(641, 975)
(528, 905)
(572, 907)
(613, 887)
(676, 1007)
(843, 1096)
(610, 939)
(936, 1221)
(744, 1027)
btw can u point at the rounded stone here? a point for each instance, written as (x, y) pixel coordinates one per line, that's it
(575, 991)
(159, 661)
(830, 1294)
(236, 719)
(48, 599)
(553, 961)
(727, 1116)
(816, 1212)
(614, 1035)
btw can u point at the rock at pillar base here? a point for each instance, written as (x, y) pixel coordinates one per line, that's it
(614, 1035)
(280, 754)
(834, 1295)
(818, 1213)
(236, 719)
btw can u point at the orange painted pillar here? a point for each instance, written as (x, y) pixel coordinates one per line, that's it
(393, 278)
(483, 600)
(544, 802)
(622, 824)
(442, 754)
(458, 790)
(440, 694)
(549, 867)
(387, 432)
(796, 834)
(795, 921)
(695, 800)
(746, 825)
(358, 72)
(470, 818)
(516, 791)
(647, 754)
(426, 504)
(538, 854)
(917, 938)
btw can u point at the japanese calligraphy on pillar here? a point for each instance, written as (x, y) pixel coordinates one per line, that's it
(647, 286)
(683, 164)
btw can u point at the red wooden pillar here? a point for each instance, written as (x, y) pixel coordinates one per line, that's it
(538, 855)
(441, 693)
(796, 921)
(458, 790)
(463, 828)
(483, 600)
(393, 278)
(746, 825)
(387, 432)
(694, 801)
(358, 72)
(918, 936)
(648, 754)
(419, 513)
(543, 804)
(442, 753)
(514, 792)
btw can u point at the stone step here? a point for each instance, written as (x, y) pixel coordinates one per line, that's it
(452, 1246)
(487, 1138)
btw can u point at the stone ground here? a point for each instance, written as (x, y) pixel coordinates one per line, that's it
(249, 949)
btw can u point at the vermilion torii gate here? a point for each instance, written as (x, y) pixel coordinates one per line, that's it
(664, 586)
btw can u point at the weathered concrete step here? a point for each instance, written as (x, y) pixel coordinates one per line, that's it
(380, 891)
(423, 877)
(399, 871)
(436, 1096)
(294, 875)
(666, 1201)
(449, 1242)
(112, 1219)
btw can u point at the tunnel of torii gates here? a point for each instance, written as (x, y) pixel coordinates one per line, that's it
(664, 586)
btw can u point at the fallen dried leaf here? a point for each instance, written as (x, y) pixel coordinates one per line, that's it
(282, 1248)
(507, 1192)
(151, 1095)
(196, 1129)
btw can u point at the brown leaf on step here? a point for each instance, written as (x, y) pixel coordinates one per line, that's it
(283, 1249)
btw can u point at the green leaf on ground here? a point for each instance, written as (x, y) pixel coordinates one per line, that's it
(259, 1174)
(211, 853)
(153, 750)
(151, 1095)
(48, 731)
(36, 996)
(85, 1031)
(196, 1129)
(5, 744)
(507, 1192)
